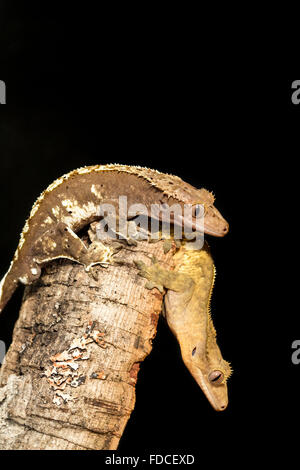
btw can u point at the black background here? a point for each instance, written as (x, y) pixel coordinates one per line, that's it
(83, 92)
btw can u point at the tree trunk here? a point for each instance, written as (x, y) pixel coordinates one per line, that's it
(68, 379)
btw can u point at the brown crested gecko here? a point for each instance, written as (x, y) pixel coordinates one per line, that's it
(72, 202)
(187, 311)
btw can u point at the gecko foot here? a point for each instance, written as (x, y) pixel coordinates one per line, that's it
(153, 273)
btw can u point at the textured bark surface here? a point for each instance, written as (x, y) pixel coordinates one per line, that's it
(68, 379)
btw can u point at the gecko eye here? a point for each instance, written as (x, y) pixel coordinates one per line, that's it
(197, 210)
(193, 352)
(216, 377)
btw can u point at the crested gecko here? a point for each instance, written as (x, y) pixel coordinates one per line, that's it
(72, 202)
(187, 311)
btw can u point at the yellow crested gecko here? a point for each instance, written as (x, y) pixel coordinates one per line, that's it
(187, 311)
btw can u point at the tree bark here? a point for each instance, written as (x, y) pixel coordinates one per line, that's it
(68, 379)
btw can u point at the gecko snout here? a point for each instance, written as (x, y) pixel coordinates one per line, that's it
(226, 229)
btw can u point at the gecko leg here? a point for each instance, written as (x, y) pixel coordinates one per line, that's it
(96, 234)
(98, 253)
(162, 278)
(59, 242)
(62, 242)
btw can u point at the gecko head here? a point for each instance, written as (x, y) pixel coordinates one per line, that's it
(204, 211)
(210, 371)
(214, 223)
